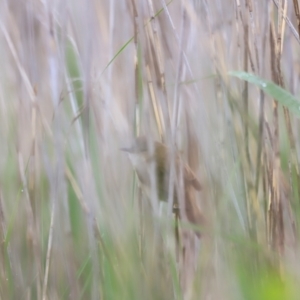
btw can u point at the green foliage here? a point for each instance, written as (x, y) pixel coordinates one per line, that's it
(73, 68)
(258, 276)
(270, 88)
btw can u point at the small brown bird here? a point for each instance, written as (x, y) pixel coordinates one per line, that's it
(141, 159)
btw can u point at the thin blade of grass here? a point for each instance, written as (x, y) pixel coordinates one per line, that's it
(283, 96)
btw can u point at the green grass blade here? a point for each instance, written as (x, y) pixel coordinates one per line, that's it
(278, 93)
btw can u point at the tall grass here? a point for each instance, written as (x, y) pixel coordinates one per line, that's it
(79, 79)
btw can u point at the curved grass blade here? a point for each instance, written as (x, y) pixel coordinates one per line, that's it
(278, 93)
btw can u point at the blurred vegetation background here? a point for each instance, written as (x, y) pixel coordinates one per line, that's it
(80, 78)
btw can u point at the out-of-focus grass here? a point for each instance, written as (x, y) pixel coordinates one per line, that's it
(78, 80)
